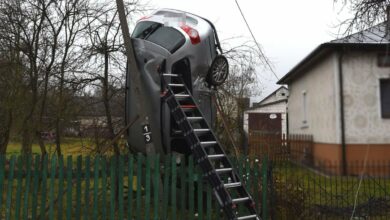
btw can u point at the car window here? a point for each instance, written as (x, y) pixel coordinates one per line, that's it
(143, 29)
(167, 37)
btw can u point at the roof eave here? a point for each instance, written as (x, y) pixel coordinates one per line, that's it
(305, 62)
(321, 51)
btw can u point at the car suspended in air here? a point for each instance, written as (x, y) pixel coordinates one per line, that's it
(174, 42)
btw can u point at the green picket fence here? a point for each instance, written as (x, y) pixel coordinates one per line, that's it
(124, 187)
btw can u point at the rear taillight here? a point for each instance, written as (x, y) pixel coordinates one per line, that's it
(192, 33)
(144, 18)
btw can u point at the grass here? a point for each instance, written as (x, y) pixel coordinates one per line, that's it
(301, 190)
(69, 146)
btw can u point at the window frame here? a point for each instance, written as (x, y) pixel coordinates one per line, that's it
(386, 114)
(383, 59)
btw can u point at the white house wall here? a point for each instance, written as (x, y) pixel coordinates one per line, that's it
(280, 94)
(363, 122)
(321, 96)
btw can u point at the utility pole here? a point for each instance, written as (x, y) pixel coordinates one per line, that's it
(135, 79)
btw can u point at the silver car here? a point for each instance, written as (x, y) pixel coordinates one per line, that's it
(176, 42)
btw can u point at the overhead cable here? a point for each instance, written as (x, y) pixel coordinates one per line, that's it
(267, 63)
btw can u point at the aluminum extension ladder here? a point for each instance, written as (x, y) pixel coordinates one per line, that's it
(227, 187)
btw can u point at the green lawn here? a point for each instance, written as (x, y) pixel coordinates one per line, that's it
(69, 146)
(300, 191)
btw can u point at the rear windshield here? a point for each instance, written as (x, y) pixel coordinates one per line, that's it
(167, 37)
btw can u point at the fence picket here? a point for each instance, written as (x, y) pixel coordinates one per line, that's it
(241, 161)
(139, 186)
(104, 188)
(156, 187)
(61, 191)
(42, 213)
(87, 171)
(183, 186)
(51, 187)
(217, 210)
(120, 187)
(27, 188)
(166, 188)
(147, 188)
(264, 188)
(173, 188)
(199, 189)
(95, 188)
(34, 202)
(19, 187)
(69, 186)
(113, 161)
(191, 188)
(78, 186)
(209, 203)
(256, 184)
(130, 187)
(9, 188)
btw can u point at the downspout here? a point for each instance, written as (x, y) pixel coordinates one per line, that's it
(342, 116)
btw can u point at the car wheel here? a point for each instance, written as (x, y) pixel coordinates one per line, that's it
(219, 71)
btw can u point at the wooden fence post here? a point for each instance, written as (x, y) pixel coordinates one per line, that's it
(27, 189)
(69, 186)
(130, 168)
(9, 188)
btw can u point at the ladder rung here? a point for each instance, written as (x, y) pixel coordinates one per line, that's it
(216, 156)
(194, 118)
(187, 106)
(208, 143)
(247, 217)
(170, 74)
(240, 199)
(223, 170)
(176, 85)
(231, 185)
(182, 95)
(177, 131)
(201, 130)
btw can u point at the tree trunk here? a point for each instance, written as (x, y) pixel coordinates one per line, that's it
(58, 137)
(5, 133)
(29, 122)
(106, 102)
(26, 139)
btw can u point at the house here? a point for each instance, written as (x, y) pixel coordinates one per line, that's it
(340, 94)
(268, 115)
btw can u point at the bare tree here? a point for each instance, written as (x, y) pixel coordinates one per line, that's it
(365, 13)
(24, 24)
(68, 23)
(10, 91)
(107, 51)
(45, 34)
(233, 95)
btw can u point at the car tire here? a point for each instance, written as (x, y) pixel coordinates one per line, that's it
(218, 71)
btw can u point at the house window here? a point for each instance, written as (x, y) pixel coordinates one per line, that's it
(383, 60)
(385, 97)
(304, 108)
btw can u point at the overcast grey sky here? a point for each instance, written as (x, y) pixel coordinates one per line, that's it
(287, 30)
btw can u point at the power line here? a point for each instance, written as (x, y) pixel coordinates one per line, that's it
(257, 44)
